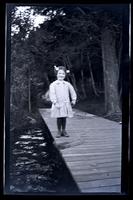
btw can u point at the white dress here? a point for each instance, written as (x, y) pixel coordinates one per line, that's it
(60, 93)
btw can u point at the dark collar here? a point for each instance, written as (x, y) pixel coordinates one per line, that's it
(60, 82)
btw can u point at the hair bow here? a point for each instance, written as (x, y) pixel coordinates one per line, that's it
(56, 68)
(67, 71)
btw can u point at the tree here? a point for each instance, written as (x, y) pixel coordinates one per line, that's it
(110, 25)
(111, 67)
(111, 72)
(85, 40)
(21, 62)
(59, 38)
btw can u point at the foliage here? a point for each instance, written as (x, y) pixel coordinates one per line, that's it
(70, 36)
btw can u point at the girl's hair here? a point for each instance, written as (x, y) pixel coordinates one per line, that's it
(61, 68)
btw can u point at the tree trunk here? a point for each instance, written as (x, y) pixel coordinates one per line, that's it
(92, 78)
(111, 72)
(74, 82)
(46, 78)
(65, 64)
(82, 84)
(82, 75)
(119, 63)
(29, 91)
(72, 74)
(120, 49)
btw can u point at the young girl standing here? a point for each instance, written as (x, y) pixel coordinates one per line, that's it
(60, 93)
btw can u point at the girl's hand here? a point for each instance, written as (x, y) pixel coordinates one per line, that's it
(57, 105)
(54, 102)
(73, 102)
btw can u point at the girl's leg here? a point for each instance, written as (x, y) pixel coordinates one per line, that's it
(59, 123)
(64, 127)
(63, 123)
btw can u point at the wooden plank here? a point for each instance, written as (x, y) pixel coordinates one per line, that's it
(99, 145)
(70, 152)
(90, 154)
(91, 151)
(94, 145)
(96, 163)
(94, 170)
(73, 143)
(105, 190)
(107, 141)
(109, 138)
(91, 158)
(97, 176)
(95, 149)
(91, 130)
(99, 183)
(84, 151)
(89, 167)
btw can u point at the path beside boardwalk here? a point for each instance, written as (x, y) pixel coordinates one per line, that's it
(92, 152)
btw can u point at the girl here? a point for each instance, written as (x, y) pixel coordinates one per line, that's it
(60, 93)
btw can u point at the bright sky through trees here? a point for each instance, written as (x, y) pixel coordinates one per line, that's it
(21, 12)
(37, 19)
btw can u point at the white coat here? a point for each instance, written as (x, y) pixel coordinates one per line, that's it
(60, 93)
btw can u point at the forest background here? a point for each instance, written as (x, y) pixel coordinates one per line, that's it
(87, 40)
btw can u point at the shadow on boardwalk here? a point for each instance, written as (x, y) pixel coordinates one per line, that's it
(92, 152)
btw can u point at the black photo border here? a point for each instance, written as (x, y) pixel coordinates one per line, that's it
(126, 179)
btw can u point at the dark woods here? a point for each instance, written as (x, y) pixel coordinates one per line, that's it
(87, 40)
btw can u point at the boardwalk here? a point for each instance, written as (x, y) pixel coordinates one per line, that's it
(92, 152)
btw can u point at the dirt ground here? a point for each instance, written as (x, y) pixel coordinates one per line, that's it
(95, 106)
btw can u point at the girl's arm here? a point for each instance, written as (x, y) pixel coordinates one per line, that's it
(52, 94)
(72, 93)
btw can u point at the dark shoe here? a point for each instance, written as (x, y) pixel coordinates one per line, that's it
(62, 134)
(58, 134)
(65, 134)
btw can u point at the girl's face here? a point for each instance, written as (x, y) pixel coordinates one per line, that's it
(61, 75)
